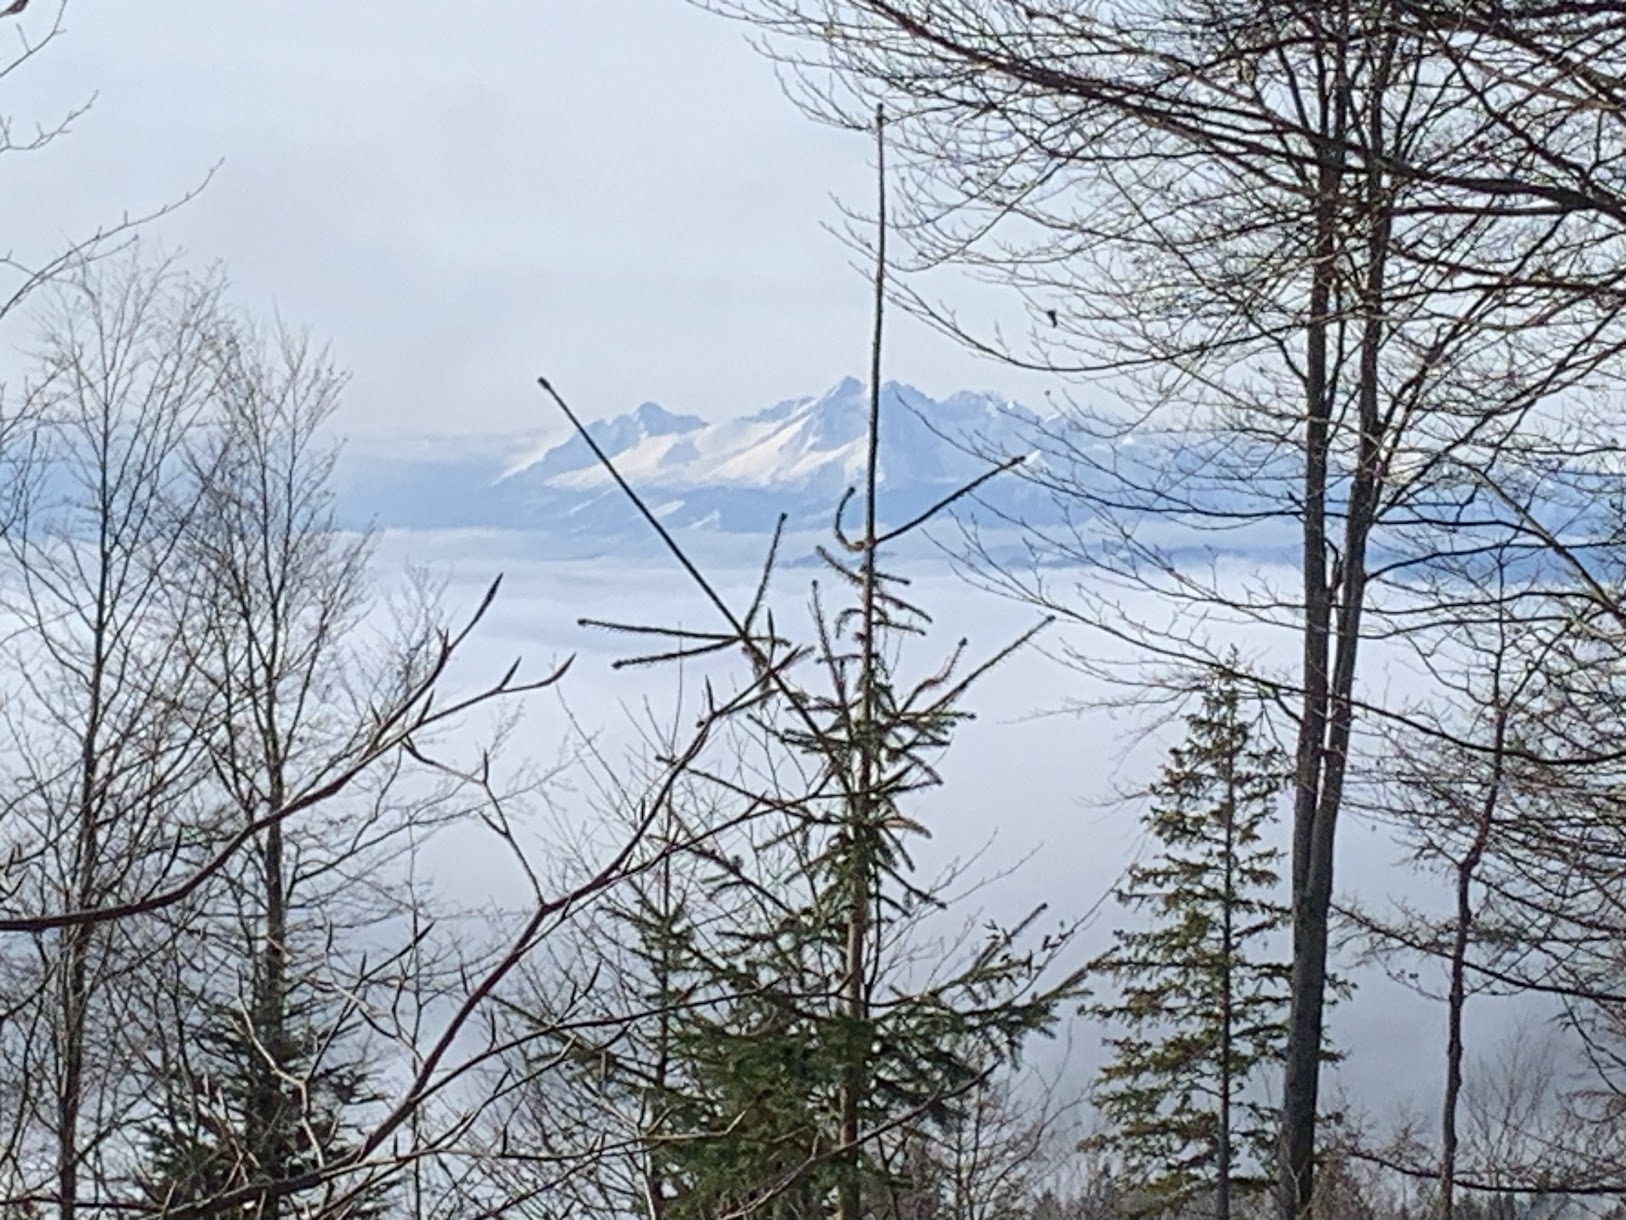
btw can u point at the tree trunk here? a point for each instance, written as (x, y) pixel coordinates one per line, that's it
(271, 1142)
(75, 997)
(1328, 721)
(861, 801)
(1457, 996)
(1222, 1193)
(1304, 1025)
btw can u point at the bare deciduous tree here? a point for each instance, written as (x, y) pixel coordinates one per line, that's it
(1341, 292)
(219, 771)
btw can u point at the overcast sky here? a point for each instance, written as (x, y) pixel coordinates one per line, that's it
(461, 196)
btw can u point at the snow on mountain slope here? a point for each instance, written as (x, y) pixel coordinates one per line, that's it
(802, 443)
(731, 477)
(725, 484)
(650, 424)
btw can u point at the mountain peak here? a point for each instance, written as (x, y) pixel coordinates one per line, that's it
(615, 436)
(813, 446)
(656, 420)
(847, 387)
(738, 475)
(850, 387)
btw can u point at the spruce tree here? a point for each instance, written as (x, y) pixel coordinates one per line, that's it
(737, 956)
(242, 1111)
(1201, 1002)
(802, 1036)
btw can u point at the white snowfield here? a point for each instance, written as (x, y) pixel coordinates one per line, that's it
(795, 443)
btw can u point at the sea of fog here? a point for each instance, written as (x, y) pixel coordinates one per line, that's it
(1033, 804)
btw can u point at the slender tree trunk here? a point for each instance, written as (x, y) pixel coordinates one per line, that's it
(1222, 1194)
(1455, 1001)
(860, 829)
(849, 1203)
(273, 1142)
(1457, 996)
(75, 1004)
(1297, 1153)
(75, 996)
(654, 1171)
(1340, 603)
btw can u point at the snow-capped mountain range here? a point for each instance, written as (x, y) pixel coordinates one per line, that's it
(736, 476)
(723, 484)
